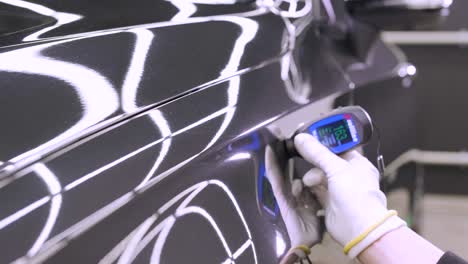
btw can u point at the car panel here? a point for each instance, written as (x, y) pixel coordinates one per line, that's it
(101, 192)
(98, 77)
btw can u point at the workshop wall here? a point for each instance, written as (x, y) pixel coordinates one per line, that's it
(432, 113)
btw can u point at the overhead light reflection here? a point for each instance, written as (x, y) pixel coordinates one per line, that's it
(239, 156)
(158, 246)
(330, 10)
(292, 12)
(186, 9)
(214, 2)
(114, 254)
(249, 29)
(411, 70)
(242, 249)
(22, 212)
(36, 8)
(406, 69)
(127, 255)
(447, 3)
(280, 244)
(165, 130)
(202, 212)
(52, 183)
(97, 95)
(163, 229)
(61, 17)
(144, 39)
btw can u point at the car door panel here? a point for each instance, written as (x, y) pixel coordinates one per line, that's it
(97, 83)
(162, 160)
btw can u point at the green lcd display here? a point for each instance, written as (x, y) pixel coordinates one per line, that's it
(334, 134)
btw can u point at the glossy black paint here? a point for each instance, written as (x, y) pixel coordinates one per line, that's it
(109, 131)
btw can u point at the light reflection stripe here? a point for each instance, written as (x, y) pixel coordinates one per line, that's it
(133, 153)
(144, 39)
(40, 9)
(232, 100)
(96, 94)
(5, 222)
(242, 249)
(20, 213)
(54, 187)
(129, 252)
(158, 246)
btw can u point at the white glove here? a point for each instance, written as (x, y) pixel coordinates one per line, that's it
(298, 207)
(356, 213)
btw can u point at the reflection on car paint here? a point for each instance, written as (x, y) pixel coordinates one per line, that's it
(129, 92)
(93, 88)
(129, 248)
(280, 244)
(124, 108)
(95, 93)
(253, 143)
(135, 72)
(61, 17)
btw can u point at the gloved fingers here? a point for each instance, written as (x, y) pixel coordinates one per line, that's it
(279, 186)
(310, 201)
(321, 192)
(304, 196)
(357, 160)
(273, 173)
(316, 153)
(362, 162)
(296, 188)
(313, 177)
(350, 155)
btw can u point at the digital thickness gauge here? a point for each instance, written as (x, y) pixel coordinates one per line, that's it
(340, 130)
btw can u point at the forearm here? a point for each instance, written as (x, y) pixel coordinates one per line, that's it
(297, 254)
(403, 246)
(289, 259)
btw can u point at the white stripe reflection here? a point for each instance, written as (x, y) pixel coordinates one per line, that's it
(20, 213)
(97, 95)
(61, 17)
(129, 252)
(54, 188)
(249, 29)
(144, 39)
(186, 9)
(163, 229)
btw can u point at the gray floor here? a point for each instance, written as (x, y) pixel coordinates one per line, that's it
(445, 224)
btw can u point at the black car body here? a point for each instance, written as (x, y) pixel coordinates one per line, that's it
(135, 131)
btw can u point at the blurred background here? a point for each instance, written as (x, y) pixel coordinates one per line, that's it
(426, 120)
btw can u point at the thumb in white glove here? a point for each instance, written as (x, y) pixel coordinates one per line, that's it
(356, 213)
(297, 206)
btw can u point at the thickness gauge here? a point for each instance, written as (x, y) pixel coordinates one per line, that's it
(340, 130)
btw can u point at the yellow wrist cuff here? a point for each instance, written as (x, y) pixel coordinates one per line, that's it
(364, 234)
(304, 249)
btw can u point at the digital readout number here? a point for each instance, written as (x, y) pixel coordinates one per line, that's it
(340, 133)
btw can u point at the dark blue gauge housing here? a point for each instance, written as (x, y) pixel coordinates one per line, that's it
(341, 130)
(337, 132)
(265, 193)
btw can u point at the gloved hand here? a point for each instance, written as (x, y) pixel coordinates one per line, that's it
(356, 213)
(297, 205)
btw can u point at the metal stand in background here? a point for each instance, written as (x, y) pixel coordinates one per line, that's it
(416, 193)
(416, 190)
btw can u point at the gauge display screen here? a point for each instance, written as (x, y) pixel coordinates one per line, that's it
(334, 134)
